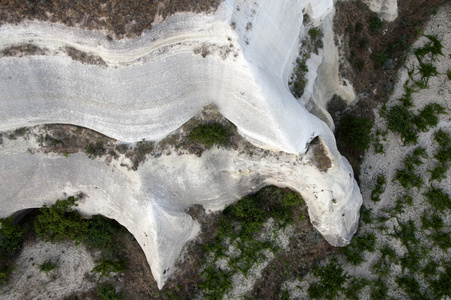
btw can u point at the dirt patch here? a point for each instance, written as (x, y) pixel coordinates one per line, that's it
(22, 50)
(121, 18)
(85, 58)
(321, 159)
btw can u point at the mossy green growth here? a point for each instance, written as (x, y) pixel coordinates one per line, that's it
(210, 134)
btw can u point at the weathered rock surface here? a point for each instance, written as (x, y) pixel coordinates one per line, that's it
(239, 59)
(387, 9)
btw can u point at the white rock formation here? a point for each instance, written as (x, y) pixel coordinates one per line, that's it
(152, 85)
(386, 9)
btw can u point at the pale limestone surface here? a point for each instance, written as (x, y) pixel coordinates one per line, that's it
(152, 85)
(386, 9)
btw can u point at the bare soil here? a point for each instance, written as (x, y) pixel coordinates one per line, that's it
(121, 18)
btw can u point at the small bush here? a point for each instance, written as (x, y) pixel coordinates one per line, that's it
(314, 33)
(47, 266)
(438, 199)
(379, 59)
(375, 23)
(354, 251)
(59, 222)
(355, 132)
(448, 73)
(13, 235)
(400, 120)
(106, 266)
(440, 286)
(379, 189)
(331, 280)
(210, 134)
(410, 285)
(108, 292)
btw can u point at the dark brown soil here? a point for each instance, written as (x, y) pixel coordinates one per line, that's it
(122, 18)
(375, 58)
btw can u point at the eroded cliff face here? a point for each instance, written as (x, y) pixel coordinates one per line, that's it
(145, 88)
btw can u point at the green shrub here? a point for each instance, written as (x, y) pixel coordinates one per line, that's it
(400, 120)
(379, 189)
(441, 240)
(406, 233)
(408, 179)
(331, 280)
(5, 273)
(354, 287)
(13, 235)
(210, 134)
(107, 266)
(375, 23)
(411, 260)
(379, 59)
(108, 292)
(314, 33)
(438, 199)
(410, 285)
(428, 117)
(433, 221)
(434, 47)
(355, 132)
(59, 222)
(95, 149)
(438, 173)
(448, 73)
(354, 251)
(47, 266)
(440, 286)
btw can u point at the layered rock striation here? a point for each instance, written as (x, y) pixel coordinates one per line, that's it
(145, 88)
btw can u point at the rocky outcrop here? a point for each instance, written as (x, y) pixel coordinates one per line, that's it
(144, 88)
(386, 9)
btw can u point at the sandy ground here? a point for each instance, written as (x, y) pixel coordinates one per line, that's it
(72, 273)
(387, 163)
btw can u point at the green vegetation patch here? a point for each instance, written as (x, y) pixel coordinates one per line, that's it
(355, 132)
(240, 226)
(381, 183)
(47, 266)
(354, 251)
(331, 280)
(210, 134)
